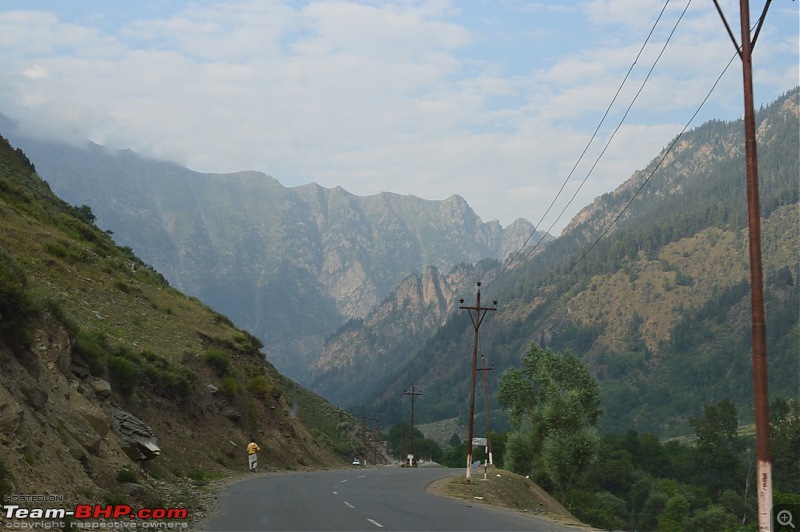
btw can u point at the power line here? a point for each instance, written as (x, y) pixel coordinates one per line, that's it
(614, 133)
(674, 142)
(663, 157)
(585, 149)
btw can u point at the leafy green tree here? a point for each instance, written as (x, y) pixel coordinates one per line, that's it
(674, 515)
(554, 404)
(785, 444)
(718, 445)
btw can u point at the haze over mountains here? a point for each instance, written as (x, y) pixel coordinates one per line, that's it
(288, 264)
(358, 297)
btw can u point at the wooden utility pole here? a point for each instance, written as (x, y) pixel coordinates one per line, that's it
(760, 390)
(413, 394)
(366, 421)
(336, 426)
(486, 396)
(375, 440)
(476, 314)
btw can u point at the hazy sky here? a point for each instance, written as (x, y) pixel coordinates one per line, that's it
(492, 100)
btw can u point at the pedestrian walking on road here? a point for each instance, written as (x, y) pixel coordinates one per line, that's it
(252, 454)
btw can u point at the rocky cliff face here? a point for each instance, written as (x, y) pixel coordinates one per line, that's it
(290, 265)
(365, 353)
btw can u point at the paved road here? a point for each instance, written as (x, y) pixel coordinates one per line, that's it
(381, 499)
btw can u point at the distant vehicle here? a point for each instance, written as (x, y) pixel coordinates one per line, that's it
(356, 461)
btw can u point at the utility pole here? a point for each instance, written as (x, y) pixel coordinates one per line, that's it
(375, 440)
(760, 391)
(413, 394)
(336, 426)
(486, 396)
(476, 314)
(365, 420)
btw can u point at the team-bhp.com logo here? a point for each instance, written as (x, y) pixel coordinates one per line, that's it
(94, 516)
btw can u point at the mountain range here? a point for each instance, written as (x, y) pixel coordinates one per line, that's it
(358, 298)
(290, 265)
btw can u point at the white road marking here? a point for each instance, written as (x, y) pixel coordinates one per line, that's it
(374, 522)
(350, 505)
(336, 493)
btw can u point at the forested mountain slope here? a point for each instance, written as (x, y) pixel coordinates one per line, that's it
(659, 307)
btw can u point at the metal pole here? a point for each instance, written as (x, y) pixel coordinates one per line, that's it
(760, 387)
(476, 323)
(760, 390)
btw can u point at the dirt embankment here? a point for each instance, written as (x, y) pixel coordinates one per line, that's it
(506, 490)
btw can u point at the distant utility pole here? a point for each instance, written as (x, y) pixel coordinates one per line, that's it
(760, 392)
(484, 369)
(476, 314)
(375, 440)
(336, 425)
(413, 394)
(366, 421)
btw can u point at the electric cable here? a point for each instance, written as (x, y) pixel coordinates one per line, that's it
(664, 156)
(586, 148)
(622, 121)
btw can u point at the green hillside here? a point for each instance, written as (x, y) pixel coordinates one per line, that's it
(88, 330)
(659, 307)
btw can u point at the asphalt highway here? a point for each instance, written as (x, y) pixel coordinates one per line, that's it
(380, 499)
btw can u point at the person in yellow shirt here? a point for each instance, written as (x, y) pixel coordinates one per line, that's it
(252, 454)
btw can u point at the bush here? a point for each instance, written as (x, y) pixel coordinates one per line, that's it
(259, 386)
(126, 475)
(248, 342)
(6, 480)
(124, 374)
(230, 385)
(93, 347)
(219, 361)
(176, 381)
(17, 310)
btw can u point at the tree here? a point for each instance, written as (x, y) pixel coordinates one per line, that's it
(718, 444)
(554, 403)
(785, 444)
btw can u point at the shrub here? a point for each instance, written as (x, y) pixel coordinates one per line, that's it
(56, 249)
(126, 475)
(123, 374)
(248, 342)
(17, 310)
(221, 319)
(6, 480)
(259, 386)
(230, 385)
(93, 347)
(219, 361)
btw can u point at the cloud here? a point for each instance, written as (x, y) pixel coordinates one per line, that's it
(35, 72)
(432, 98)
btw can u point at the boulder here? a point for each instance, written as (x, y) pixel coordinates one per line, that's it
(55, 347)
(80, 430)
(36, 396)
(100, 387)
(136, 438)
(96, 418)
(10, 413)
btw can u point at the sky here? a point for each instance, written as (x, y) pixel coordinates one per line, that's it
(495, 100)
